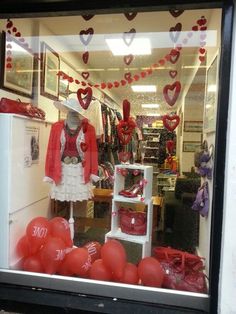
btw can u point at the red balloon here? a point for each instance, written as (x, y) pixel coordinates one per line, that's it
(63, 268)
(33, 263)
(78, 262)
(37, 232)
(130, 275)
(114, 257)
(60, 228)
(23, 247)
(94, 250)
(150, 272)
(52, 255)
(99, 271)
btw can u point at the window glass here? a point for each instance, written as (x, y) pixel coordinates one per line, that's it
(107, 143)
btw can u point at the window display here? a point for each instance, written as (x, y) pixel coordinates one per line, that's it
(113, 146)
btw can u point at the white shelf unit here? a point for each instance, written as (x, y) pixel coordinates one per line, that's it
(144, 200)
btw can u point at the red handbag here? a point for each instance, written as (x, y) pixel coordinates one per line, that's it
(183, 271)
(16, 106)
(132, 222)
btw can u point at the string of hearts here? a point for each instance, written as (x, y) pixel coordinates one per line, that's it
(172, 56)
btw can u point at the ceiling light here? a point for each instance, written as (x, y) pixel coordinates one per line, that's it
(211, 88)
(150, 106)
(144, 88)
(139, 46)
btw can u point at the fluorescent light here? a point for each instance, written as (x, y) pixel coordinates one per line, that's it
(153, 114)
(150, 106)
(208, 106)
(211, 88)
(144, 88)
(139, 46)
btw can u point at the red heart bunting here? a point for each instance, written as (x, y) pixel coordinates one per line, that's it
(128, 59)
(85, 75)
(84, 146)
(86, 36)
(130, 16)
(86, 100)
(85, 57)
(170, 122)
(128, 76)
(128, 37)
(116, 84)
(123, 82)
(174, 32)
(176, 87)
(173, 73)
(176, 13)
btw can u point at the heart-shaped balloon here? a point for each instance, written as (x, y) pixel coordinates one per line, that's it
(86, 100)
(176, 88)
(170, 122)
(84, 146)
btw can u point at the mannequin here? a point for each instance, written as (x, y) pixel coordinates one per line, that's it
(71, 161)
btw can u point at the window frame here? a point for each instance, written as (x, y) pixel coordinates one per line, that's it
(11, 281)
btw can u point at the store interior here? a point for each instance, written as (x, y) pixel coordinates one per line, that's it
(147, 83)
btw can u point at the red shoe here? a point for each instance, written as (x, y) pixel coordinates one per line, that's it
(133, 191)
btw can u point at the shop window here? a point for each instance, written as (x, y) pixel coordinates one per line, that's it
(127, 177)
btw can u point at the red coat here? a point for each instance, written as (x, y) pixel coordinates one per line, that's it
(53, 157)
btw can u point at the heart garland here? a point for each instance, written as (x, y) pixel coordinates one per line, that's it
(170, 122)
(176, 88)
(86, 100)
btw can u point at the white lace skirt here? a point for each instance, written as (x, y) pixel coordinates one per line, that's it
(72, 186)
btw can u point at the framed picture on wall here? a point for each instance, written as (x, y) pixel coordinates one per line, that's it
(193, 126)
(210, 105)
(191, 146)
(17, 66)
(50, 65)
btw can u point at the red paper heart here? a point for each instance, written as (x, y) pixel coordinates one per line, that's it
(176, 87)
(170, 122)
(116, 84)
(86, 36)
(83, 146)
(149, 71)
(173, 73)
(128, 76)
(103, 85)
(9, 24)
(195, 28)
(143, 74)
(128, 59)
(136, 77)
(123, 82)
(203, 28)
(18, 34)
(202, 21)
(83, 83)
(86, 100)
(85, 75)
(9, 66)
(85, 57)
(161, 62)
(128, 37)
(175, 32)
(9, 59)
(202, 50)
(14, 29)
(176, 13)
(109, 85)
(77, 81)
(202, 58)
(87, 17)
(174, 56)
(130, 16)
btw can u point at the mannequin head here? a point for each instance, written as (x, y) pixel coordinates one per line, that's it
(73, 119)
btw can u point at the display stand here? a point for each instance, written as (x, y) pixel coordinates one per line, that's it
(144, 200)
(72, 221)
